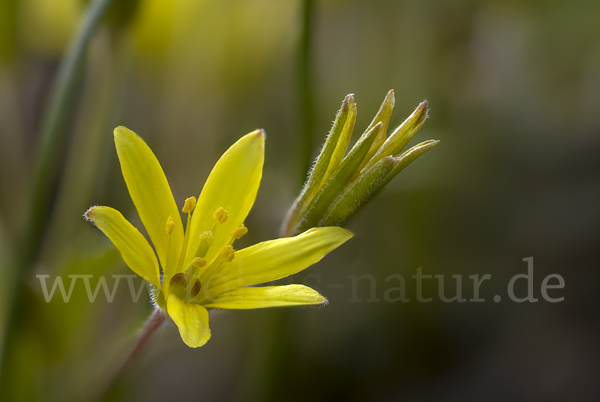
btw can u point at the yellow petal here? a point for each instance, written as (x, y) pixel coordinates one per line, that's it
(134, 248)
(191, 319)
(232, 185)
(151, 194)
(269, 296)
(275, 259)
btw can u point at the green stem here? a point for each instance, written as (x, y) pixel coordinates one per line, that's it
(305, 89)
(54, 131)
(52, 134)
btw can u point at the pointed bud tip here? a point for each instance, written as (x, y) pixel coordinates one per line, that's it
(422, 111)
(390, 97)
(348, 101)
(390, 160)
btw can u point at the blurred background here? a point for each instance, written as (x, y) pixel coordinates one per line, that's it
(514, 93)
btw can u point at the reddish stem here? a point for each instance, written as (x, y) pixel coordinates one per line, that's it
(152, 324)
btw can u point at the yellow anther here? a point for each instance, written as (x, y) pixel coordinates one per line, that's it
(190, 204)
(221, 215)
(228, 253)
(199, 262)
(239, 232)
(206, 239)
(170, 225)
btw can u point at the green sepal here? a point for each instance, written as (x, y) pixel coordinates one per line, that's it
(369, 183)
(342, 144)
(383, 115)
(402, 135)
(339, 179)
(408, 157)
(358, 193)
(315, 178)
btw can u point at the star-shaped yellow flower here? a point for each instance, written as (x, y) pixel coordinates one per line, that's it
(200, 268)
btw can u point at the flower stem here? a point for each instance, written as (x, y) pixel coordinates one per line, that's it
(152, 324)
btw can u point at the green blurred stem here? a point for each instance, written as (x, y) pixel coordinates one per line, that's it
(269, 369)
(53, 131)
(52, 135)
(305, 89)
(152, 324)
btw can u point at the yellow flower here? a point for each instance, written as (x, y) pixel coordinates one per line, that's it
(200, 268)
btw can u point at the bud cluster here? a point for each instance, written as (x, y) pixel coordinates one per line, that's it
(339, 183)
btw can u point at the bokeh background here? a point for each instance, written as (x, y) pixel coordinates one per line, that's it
(514, 92)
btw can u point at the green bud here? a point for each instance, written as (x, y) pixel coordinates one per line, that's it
(383, 115)
(339, 179)
(358, 193)
(408, 157)
(338, 186)
(321, 166)
(342, 145)
(402, 135)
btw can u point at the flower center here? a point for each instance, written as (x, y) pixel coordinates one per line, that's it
(183, 287)
(187, 282)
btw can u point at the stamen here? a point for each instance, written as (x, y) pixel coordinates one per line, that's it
(190, 204)
(239, 232)
(221, 215)
(178, 285)
(170, 225)
(199, 262)
(195, 289)
(206, 239)
(178, 280)
(184, 286)
(228, 253)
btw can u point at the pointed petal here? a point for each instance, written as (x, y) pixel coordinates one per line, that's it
(275, 259)
(151, 194)
(191, 319)
(268, 296)
(232, 185)
(135, 250)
